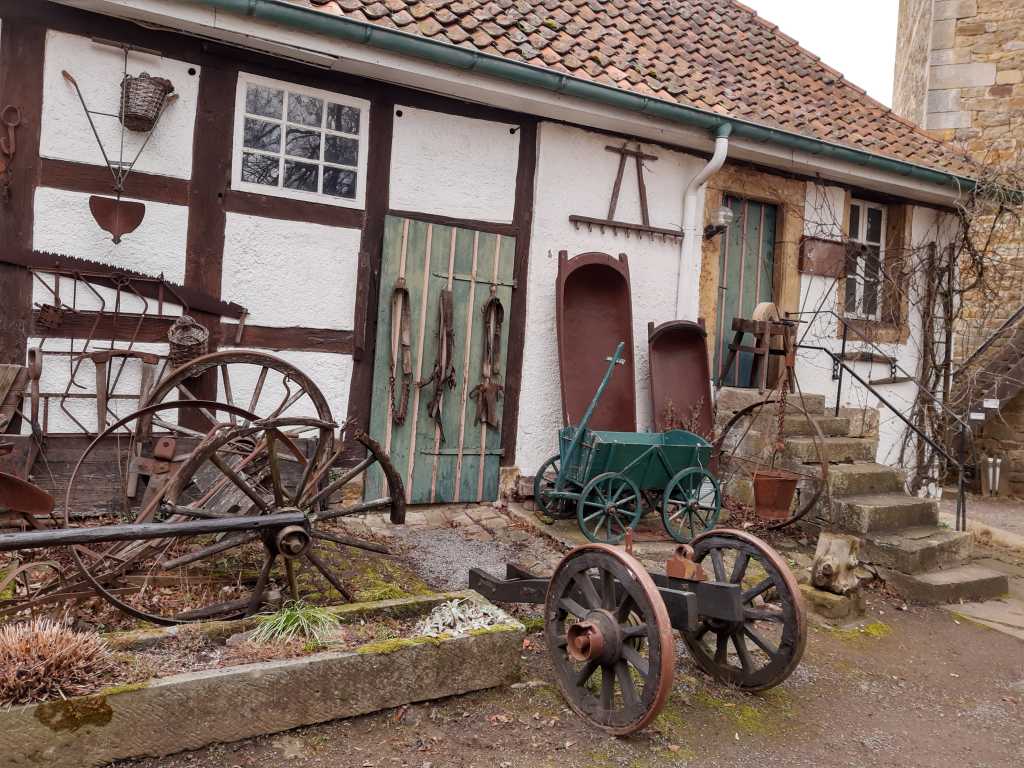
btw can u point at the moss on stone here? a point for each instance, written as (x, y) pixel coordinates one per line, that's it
(533, 624)
(494, 629)
(114, 690)
(875, 630)
(399, 643)
(72, 714)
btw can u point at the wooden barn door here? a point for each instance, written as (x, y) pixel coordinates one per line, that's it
(745, 278)
(456, 457)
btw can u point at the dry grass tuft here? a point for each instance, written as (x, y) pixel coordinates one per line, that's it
(43, 659)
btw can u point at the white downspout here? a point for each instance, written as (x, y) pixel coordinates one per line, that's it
(690, 251)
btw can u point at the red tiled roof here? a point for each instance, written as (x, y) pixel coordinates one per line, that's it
(716, 55)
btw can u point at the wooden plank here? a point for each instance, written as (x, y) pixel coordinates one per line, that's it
(21, 84)
(427, 434)
(275, 207)
(516, 313)
(730, 277)
(476, 225)
(96, 179)
(495, 437)
(465, 462)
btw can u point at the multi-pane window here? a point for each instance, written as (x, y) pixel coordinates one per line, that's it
(864, 260)
(296, 142)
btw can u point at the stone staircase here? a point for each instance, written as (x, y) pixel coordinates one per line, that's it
(900, 534)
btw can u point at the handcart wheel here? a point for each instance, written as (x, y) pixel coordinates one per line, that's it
(609, 505)
(544, 483)
(762, 650)
(610, 639)
(691, 504)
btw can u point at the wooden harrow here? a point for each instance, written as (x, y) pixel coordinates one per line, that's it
(222, 508)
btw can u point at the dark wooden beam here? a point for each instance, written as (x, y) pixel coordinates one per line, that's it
(153, 330)
(378, 175)
(21, 86)
(523, 220)
(508, 230)
(96, 179)
(273, 207)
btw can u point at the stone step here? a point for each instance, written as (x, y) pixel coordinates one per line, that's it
(950, 585)
(836, 449)
(797, 426)
(859, 479)
(872, 512)
(917, 549)
(732, 399)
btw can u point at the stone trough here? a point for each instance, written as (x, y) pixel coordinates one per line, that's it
(192, 710)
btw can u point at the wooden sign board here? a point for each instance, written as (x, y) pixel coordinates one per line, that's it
(826, 258)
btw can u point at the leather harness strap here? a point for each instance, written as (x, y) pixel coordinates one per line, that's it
(401, 339)
(489, 390)
(443, 374)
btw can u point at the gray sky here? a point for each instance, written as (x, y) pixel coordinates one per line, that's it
(858, 39)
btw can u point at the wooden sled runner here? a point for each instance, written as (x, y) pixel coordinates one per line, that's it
(680, 377)
(594, 312)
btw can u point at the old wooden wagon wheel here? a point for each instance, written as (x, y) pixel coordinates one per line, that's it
(610, 639)
(247, 468)
(691, 504)
(745, 443)
(762, 650)
(260, 383)
(544, 483)
(608, 506)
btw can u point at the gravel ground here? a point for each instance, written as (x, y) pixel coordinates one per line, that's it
(443, 558)
(995, 512)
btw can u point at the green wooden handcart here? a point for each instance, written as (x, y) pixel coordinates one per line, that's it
(608, 480)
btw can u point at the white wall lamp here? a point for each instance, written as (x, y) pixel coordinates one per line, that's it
(720, 222)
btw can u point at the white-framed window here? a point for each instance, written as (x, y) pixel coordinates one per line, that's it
(299, 142)
(864, 260)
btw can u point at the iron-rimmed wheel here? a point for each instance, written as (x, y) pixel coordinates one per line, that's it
(609, 638)
(691, 504)
(609, 505)
(764, 648)
(544, 483)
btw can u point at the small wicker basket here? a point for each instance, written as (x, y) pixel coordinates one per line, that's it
(187, 340)
(142, 98)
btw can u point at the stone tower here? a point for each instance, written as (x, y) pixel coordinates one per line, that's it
(960, 72)
(960, 75)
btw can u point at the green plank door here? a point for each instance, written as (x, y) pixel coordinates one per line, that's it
(745, 279)
(460, 460)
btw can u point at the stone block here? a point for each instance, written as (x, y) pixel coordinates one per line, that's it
(883, 512)
(977, 74)
(233, 703)
(858, 479)
(951, 585)
(915, 550)
(943, 34)
(1009, 77)
(950, 56)
(944, 121)
(833, 606)
(944, 101)
(954, 9)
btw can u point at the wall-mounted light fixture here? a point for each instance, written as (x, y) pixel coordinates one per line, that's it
(722, 219)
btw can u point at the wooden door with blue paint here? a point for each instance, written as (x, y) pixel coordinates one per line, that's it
(746, 269)
(449, 455)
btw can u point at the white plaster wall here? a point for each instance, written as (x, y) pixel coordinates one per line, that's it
(453, 166)
(98, 70)
(332, 374)
(575, 175)
(289, 273)
(814, 370)
(64, 224)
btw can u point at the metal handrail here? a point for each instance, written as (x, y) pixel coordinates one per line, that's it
(961, 503)
(895, 365)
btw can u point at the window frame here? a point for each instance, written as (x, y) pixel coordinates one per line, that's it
(238, 148)
(860, 238)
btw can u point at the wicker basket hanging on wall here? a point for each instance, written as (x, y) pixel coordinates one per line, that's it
(187, 340)
(142, 98)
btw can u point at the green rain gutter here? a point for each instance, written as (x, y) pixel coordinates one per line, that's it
(309, 19)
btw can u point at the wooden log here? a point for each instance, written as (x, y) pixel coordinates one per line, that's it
(835, 563)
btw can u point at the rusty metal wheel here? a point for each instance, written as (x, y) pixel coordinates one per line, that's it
(609, 638)
(745, 442)
(764, 648)
(264, 385)
(247, 468)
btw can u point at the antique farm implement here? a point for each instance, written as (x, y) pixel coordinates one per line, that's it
(609, 623)
(220, 507)
(607, 479)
